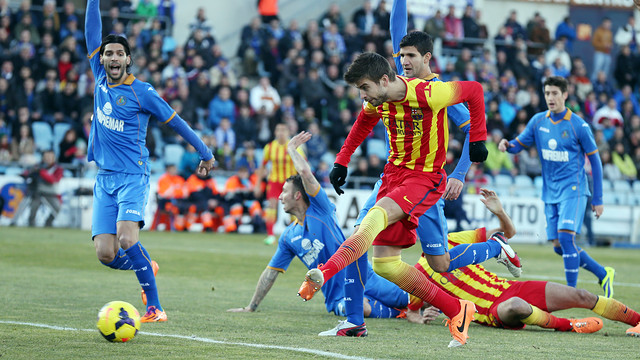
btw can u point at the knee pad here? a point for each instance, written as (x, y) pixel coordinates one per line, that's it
(387, 267)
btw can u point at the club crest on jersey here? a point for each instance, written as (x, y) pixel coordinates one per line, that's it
(121, 100)
(565, 134)
(107, 109)
(416, 114)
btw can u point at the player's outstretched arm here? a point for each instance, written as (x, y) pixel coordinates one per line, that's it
(93, 26)
(266, 281)
(492, 202)
(309, 181)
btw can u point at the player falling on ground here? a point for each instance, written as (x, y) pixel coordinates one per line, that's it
(514, 304)
(412, 111)
(122, 106)
(275, 153)
(313, 238)
(563, 139)
(413, 54)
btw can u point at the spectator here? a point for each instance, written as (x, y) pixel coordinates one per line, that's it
(245, 126)
(239, 190)
(221, 106)
(435, 26)
(508, 107)
(361, 170)
(513, 26)
(382, 17)
(602, 85)
(268, 10)
(332, 16)
(23, 147)
(609, 170)
(627, 35)
(46, 178)
(225, 134)
(69, 147)
(566, 32)
(539, 37)
(251, 38)
(625, 71)
(529, 162)
(248, 158)
(364, 18)
(453, 31)
(558, 51)
(470, 27)
(316, 148)
(167, 9)
(70, 103)
(626, 94)
(623, 161)
(602, 42)
(264, 98)
(498, 162)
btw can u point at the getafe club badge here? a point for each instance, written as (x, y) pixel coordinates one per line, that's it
(565, 134)
(121, 100)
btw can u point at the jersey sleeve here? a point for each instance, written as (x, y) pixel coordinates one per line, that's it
(442, 94)
(281, 260)
(587, 141)
(320, 201)
(528, 136)
(266, 154)
(93, 37)
(398, 29)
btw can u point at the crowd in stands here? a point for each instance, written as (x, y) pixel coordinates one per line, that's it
(292, 73)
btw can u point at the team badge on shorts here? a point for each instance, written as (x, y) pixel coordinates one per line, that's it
(121, 100)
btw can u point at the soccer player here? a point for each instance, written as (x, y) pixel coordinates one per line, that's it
(514, 304)
(563, 139)
(313, 237)
(413, 113)
(414, 50)
(122, 106)
(281, 168)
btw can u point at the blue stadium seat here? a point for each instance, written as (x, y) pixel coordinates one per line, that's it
(636, 186)
(173, 153)
(606, 185)
(622, 186)
(537, 181)
(59, 129)
(378, 148)
(522, 181)
(42, 135)
(13, 170)
(502, 180)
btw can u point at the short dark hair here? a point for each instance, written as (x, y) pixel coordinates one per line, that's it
(296, 181)
(116, 39)
(369, 66)
(422, 41)
(556, 81)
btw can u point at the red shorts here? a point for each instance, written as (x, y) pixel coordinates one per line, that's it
(274, 189)
(415, 192)
(532, 292)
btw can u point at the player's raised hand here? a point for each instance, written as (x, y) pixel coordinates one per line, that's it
(299, 139)
(504, 145)
(338, 177)
(205, 166)
(490, 200)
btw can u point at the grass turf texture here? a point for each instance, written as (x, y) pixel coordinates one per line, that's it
(52, 276)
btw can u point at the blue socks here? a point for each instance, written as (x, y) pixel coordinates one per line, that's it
(570, 257)
(141, 261)
(121, 261)
(355, 280)
(587, 262)
(381, 311)
(463, 255)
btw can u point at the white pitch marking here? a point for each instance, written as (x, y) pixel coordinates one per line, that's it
(200, 339)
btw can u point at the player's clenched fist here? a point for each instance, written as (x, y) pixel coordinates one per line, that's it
(338, 177)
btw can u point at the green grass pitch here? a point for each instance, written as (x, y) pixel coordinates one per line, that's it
(51, 277)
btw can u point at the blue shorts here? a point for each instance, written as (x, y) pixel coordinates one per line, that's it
(432, 230)
(432, 227)
(565, 215)
(118, 197)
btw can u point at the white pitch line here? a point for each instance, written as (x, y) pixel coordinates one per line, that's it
(201, 339)
(562, 279)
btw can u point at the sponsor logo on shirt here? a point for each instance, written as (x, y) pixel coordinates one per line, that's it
(567, 221)
(314, 250)
(109, 122)
(544, 129)
(131, 211)
(103, 88)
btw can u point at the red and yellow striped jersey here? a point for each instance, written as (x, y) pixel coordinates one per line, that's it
(281, 163)
(473, 282)
(417, 125)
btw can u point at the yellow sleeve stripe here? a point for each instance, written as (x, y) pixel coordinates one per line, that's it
(464, 124)
(518, 140)
(276, 269)
(94, 52)
(593, 152)
(171, 118)
(315, 192)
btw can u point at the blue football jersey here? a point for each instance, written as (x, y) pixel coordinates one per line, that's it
(313, 241)
(562, 145)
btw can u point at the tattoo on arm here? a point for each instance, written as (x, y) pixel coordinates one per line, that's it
(265, 282)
